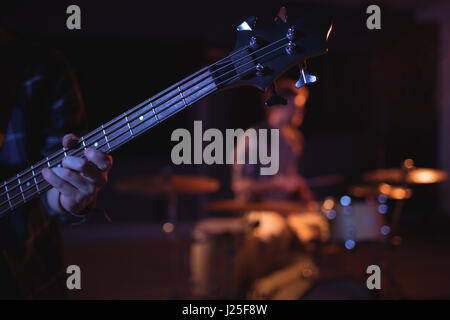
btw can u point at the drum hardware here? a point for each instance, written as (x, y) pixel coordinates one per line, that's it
(356, 220)
(409, 174)
(403, 177)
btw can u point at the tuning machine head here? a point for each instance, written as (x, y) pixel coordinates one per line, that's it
(248, 24)
(304, 77)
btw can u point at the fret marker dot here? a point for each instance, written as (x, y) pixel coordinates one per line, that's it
(96, 144)
(59, 165)
(141, 117)
(28, 184)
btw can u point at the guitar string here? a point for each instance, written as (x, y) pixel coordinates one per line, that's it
(173, 87)
(115, 120)
(21, 193)
(137, 109)
(104, 144)
(184, 81)
(107, 142)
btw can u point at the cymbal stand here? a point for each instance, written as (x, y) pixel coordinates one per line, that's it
(395, 240)
(170, 228)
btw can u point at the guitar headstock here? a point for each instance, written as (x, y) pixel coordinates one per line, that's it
(262, 55)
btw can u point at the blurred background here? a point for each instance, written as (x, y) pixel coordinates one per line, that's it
(383, 96)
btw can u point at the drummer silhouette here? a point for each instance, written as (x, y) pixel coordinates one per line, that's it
(267, 248)
(287, 184)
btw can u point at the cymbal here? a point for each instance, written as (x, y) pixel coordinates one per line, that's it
(414, 176)
(173, 184)
(236, 205)
(392, 192)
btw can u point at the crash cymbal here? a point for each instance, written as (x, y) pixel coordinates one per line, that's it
(236, 205)
(175, 184)
(414, 176)
(425, 175)
(392, 192)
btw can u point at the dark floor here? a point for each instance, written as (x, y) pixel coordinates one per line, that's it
(134, 262)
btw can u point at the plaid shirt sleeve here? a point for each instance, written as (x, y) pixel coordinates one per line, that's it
(63, 109)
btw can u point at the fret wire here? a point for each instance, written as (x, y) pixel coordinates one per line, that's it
(106, 138)
(34, 174)
(195, 100)
(21, 192)
(128, 124)
(7, 195)
(155, 115)
(163, 93)
(20, 187)
(47, 186)
(154, 112)
(197, 74)
(34, 178)
(182, 97)
(140, 124)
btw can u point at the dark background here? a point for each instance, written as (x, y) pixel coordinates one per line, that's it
(373, 106)
(371, 81)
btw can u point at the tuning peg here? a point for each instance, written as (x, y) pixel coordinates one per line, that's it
(281, 16)
(247, 25)
(304, 78)
(275, 99)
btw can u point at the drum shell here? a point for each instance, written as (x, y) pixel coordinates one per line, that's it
(213, 250)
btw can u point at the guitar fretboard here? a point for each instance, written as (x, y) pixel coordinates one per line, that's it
(28, 184)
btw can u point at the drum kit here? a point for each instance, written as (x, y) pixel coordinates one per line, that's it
(268, 249)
